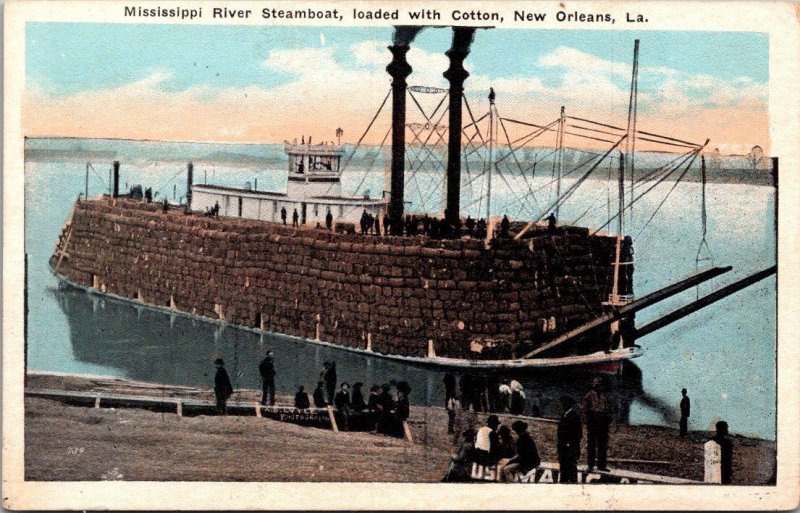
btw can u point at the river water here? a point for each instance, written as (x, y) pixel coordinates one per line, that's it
(724, 354)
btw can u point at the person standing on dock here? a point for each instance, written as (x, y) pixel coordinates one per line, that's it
(329, 220)
(222, 387)
(267, 370)
(328, 375)
(449, 386)
(301, 401)
(597, 423)
(570, 432)
(685, 410)
(487, 443)
(319, 396)
(283, 214)
(295, 217)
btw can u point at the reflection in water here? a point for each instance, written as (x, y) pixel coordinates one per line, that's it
(159, 347)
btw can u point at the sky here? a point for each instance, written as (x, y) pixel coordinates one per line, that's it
(266, 84)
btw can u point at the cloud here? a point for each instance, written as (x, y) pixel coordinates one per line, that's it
(329, 87)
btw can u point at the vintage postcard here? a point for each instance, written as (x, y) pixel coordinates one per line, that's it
(401, 255)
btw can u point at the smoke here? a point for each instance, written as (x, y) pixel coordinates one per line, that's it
(405, 34)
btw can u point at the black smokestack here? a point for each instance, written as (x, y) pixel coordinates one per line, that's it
(115, 190)
(189, 183)
(456, 75)
(399, 69)
(404, 34)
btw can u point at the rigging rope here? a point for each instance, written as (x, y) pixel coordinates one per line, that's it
(666, 175)
(367, 130)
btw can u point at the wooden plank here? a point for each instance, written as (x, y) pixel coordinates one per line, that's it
(407, 432)
(179, 408)
(638, 304)
(64, 248)
(257, 406)
(97, 401)
(331, 416)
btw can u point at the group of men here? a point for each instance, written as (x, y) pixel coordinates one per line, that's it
(486, 446)
(484, 392)
(295, 217)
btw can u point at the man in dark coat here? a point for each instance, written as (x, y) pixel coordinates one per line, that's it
(595, 405)
(570, 432)
(295, 217)
(283, 214)
(527, 457)
(551, 223)
(319, 396)
(267, 370)
(301, 401)
(329, 220)
(222, 386)
(685, 410)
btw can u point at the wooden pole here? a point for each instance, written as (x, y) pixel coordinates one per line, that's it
(638, 304)
(705, 301)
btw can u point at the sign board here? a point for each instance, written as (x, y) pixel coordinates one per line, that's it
(549, 473)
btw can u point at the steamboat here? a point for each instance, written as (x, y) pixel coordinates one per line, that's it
(538, 294)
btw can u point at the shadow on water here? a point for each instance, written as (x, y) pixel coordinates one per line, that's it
(155, 346)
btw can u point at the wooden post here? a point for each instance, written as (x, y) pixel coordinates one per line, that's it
(97, 401)
(712, 462)
(407, 432)
(179, 407)
(258, 409)
(332, 417)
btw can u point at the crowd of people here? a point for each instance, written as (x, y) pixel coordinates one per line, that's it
(513, 449)
(485, 392)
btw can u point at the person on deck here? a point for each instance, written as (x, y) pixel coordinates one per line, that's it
(329, 220)
(319, 396)
(505, 226)
(301, 401)
(222, 387)
(551, 223)
(330, 382)
(283, 214)
(267, 370)
(295, 218)
(377, 226)
(595, 405)
(527, 457)
(685, 410)
(470, 224)
(165, 206)
(570, 432)
(480, 229)
(486, 442)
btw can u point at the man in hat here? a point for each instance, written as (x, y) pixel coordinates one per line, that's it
(527, 457)
(595, 405)
(222, 386)
(685, 409)
(570, 432)
(267, 370)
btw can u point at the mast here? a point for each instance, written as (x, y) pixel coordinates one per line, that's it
(630, 144)
(614, 299)
(491, 150)
(559, 157)
(626, 161)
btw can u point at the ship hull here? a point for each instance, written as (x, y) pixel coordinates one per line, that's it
(601, 362)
